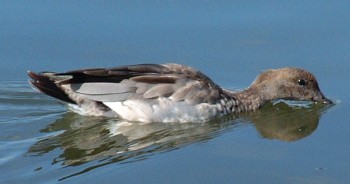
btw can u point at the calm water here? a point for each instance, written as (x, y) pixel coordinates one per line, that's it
(41, 142)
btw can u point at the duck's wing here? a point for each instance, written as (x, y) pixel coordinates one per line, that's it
(145, 81)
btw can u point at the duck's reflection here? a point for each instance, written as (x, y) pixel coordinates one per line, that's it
(286, 123)
(84, 139)
(89, 138)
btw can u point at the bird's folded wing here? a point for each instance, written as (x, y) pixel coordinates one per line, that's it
(146, 81)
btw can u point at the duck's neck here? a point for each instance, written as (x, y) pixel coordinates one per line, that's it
(248, 99)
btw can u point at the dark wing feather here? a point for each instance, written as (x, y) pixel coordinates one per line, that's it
(145, 81)
(47, 86)
(115, 74)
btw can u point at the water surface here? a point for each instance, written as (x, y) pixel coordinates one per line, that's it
(42, 142)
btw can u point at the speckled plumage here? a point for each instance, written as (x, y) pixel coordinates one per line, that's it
(169, 92)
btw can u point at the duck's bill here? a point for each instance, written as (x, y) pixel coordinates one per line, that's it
(320, 98)
(327, 101)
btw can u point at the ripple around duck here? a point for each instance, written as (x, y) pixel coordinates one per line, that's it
(23, 111)
(89, 143)
(35, 125)
(92, 142)
(18, 102)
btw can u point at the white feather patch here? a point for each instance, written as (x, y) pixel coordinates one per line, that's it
(162, 110)
(132, 110)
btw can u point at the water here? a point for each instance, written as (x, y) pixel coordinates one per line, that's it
(284, 142)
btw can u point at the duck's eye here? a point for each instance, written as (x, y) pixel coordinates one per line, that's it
(302, 82)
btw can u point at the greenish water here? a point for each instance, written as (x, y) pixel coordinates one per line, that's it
(42, 142)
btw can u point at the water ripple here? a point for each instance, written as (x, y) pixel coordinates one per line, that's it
(36, 126)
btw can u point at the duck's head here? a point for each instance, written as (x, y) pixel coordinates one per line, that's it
(289, 83)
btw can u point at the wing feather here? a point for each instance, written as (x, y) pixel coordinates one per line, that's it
(159, 90)
(145, 81)
(100, 88)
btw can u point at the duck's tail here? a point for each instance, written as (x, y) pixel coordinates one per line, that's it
(44, 84)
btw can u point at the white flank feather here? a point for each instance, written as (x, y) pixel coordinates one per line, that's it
(162, 110)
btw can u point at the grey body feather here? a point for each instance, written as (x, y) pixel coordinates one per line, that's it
(146, 81)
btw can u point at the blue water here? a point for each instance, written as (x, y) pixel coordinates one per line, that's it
(231, 42)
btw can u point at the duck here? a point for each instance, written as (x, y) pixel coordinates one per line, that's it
(170, 92)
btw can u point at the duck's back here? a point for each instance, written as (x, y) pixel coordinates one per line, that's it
(147, 92)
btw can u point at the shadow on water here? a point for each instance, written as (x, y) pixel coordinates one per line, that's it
(86, 139)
